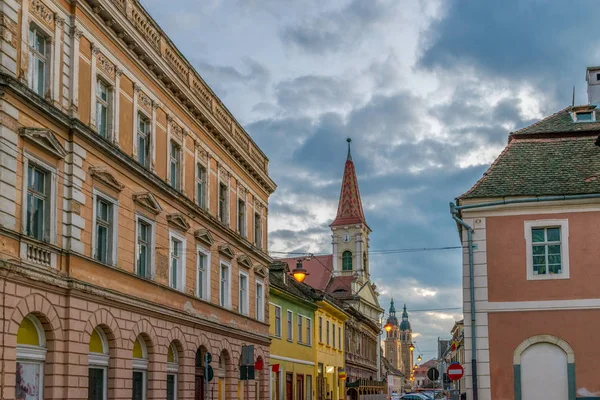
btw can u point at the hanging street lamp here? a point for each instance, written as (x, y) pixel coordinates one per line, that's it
(299, 273)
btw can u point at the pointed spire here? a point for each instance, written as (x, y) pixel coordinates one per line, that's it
(404, 313)
(392, 308)
(350, 210)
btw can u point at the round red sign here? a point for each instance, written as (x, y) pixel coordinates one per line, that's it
(455, 371)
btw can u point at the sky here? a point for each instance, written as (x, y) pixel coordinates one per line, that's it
(428, 90)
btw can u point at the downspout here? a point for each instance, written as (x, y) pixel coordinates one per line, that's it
(470, 231)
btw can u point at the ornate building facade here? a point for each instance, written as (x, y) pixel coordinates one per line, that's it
(406, 343)
(133, 213)
(392, 343)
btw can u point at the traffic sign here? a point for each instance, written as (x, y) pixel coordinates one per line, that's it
(210, 373)
(208, 358)
(433, 374)
(455, 371)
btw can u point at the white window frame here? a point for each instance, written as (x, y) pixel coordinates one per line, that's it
(206, 277)
(244, 301)
(177, 185)
(308, 329)
(290, 325)
(223, 218)
(241, 217)
(50, 234)
(150, 136)
(141, 365)
(27, 354)
(139, 217)
(173, 369)
(100, 361)
(227, 295)
(278, 329)
(260, 302)
(563, 224)
(258, 230)
(49, 57)
(201, 201)
(181, 276)
(300, 327)
(112, 259)
(109, 104)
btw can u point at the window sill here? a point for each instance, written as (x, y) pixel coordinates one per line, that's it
(548, 277)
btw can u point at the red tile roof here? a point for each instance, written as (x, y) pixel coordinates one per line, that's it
(319, 270)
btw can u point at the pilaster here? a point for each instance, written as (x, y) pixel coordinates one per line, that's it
(117, 104)
(9, 32)
(8, 166)
(57, 59)
(74, 198)
(76, 37)
(94, 82)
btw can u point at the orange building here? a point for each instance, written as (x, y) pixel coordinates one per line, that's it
(531, 278)
(133, 213)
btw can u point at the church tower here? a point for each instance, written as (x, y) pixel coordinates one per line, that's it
(393, 349)
(406, 342)
(350, 232)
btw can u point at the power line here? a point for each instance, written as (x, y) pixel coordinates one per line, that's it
(376, 252)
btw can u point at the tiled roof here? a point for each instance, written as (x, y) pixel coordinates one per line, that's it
(300, 290)
(560, 122)
(319, 270)
(350, 210)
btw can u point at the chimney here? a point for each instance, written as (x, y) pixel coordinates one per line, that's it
(593, 80)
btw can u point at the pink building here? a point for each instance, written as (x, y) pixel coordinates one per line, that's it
(530, 230)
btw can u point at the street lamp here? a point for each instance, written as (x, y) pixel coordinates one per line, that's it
(388, 327)
(419, 358)
(416, 366)
(299, 273)
(411, 347)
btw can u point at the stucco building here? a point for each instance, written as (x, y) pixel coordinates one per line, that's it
(530, 232)
(133, 213)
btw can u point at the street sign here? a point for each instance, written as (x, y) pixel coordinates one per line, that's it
(208, 358)
(433, 374)
(455, 371)
(211, 373)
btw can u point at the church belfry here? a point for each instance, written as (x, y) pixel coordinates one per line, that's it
(393, 350)
(406, 342)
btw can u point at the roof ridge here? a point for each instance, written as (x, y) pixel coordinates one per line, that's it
(540, 121)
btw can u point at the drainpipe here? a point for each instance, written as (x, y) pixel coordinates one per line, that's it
(470, 231)
(455, 212)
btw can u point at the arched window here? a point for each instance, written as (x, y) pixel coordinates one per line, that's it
(31, 354)
(172, 370)
(140, 369)
(98, 366)
(347, 261)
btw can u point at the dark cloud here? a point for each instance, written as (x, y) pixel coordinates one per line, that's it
(222, 78)
(311, 91)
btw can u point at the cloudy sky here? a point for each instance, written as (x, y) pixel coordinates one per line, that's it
(427, 90)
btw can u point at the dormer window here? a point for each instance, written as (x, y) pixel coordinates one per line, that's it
(586, 113)
(586, 116)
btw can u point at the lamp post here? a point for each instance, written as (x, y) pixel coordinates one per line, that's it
(299, 273)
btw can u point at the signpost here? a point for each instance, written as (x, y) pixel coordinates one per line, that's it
(208, 370)
(433, 374)
(455, 371)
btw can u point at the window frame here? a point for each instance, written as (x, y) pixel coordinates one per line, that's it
(257, 230)
(223, 204)
(201, 179)
(259, 307)
(241, 217)
(563, 224)
(142, 116)
(344, 258)
(290, 325)
(320, 329)
(152, 246)
(181, 274)
(175, 161)
(308, 329)
(114, 226)
(225, 298)
(244, 301)
(299, 321)
(100, 361)
(49, 235)
(26, 354)
(47, 58)
(206, 253)
(333, 330)
(340, 347)
(173, 369)
(327, 341)
(278, 326)
(108, 103)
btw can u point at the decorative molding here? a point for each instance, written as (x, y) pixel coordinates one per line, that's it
(144, 100)
(39, 9)
(244, 261)
(148, 201)
(260, 270)
(227, 251)
(44, 139)
(105, 65)
(224, 174)
(103, 174)
(202, 155)
(205, 236)
(179, 221)
(177, 131)
(243, 191)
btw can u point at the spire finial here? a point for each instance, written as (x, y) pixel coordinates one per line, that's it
(349, 155)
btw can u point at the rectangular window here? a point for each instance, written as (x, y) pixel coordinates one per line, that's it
(308, 387)
(547, 249)
(243, 295)
(308, 331)
(176, 272)
(241, 212)
(257, 231)
(203, 278)
(333, 343)
(277, 321)
(290, 333)
(175, 165)
(171, 387)
(340, 336)
(327, 334)
(201, 185)
(320, 329)
(300, 318)
(102, 107)
(138, 388)
(96, 384)
(223, 196)
(144, 246)
(225, 285)
(260, 301)
(39, 61)
(143, 140)
(104, 240)
(38, 203)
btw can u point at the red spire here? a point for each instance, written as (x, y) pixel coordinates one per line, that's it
(350, 209)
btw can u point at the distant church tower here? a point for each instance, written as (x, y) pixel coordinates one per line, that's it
(406, 342)
(392, 344)
(350, 232)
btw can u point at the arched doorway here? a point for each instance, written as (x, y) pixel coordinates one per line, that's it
(200, 382)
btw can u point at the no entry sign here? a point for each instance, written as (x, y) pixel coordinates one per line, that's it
(455, 371)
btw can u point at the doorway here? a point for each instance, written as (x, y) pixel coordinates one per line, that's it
(289, 386)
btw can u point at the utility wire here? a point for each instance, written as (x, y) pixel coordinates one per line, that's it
(375, 252)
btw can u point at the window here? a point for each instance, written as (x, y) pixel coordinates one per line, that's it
(175, 165)
(223, 203)
(308, 387)
(31, 354)
(201, 185)
(300, 318)
(172, 372)
(104, 234)
(340, 336)
(327, 333)
(140, 368)
(144, 247)
(102, 107)
(333, 328)
(277, 321)
(177, 264)
(203, 278)
(547, 249)
(225, 285)
(260, 301)
(39, 61)
(320, 329)
(241, 212)
(308, 331)
(290, 333)
(38, 202)
(243, 295)
(98, 366)
(257, 231)
(143, 141)
(347, 261)
(586, 116)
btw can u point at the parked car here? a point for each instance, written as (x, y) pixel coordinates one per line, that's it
(415, 396)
